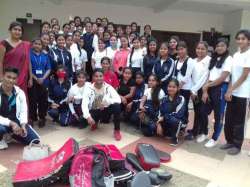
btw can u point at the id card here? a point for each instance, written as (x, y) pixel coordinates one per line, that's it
(39, 72)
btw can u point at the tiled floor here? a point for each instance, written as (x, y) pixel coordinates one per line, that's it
(192, 165)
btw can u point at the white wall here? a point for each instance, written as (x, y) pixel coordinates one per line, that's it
(168, 20)
(232, 23)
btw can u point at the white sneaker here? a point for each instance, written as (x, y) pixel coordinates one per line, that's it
(3, 145)
(211, 143)
(201, 138)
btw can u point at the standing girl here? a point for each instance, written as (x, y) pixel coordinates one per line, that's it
(173, 42)
(135, 58)
(150, 58)
(183, 72)
(149, 109)
(143, 44)
(215, 89)
(199, 78)
(38, 94)
(111, 50)
(98, 55)
(164, 66)
(121, 56)
(61, 56)
(237, 95)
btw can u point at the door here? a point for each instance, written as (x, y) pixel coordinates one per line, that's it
(31, 30)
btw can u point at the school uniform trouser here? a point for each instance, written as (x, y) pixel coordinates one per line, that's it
(235, 121)
(103, 115)
(186, 94)
(217, 104)
(38, 101)
(31, 134)
(60, 114)
(200, 117)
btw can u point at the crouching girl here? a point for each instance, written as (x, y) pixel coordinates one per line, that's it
(172, 113)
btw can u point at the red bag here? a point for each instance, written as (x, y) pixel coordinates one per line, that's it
(89, 168)
(148, 156)
(115, 157)
(47, 170)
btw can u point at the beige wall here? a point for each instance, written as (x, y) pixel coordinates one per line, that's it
(166, 20)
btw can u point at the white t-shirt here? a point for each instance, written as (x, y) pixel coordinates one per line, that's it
(200, 73)
(187, 79)
(215, 73)
(111, 52)
(77, 57)
(148, 94)
(95, 42)
(144, 51)
(97, 56)
(241, 61)
(137, 59)
(77, 92)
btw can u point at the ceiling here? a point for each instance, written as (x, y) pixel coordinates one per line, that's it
(209, 6)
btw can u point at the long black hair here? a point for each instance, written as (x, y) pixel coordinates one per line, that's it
(218, 59)
(148, 43)
(78, 46)
(133, 49)
(155, 91)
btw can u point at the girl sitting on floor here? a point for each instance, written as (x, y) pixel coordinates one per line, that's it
(133, 106)
(149, 108)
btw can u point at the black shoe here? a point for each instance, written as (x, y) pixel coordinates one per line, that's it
(41, 123)
(174, 142)
(189, 137)
(226, 146)
(233, 151)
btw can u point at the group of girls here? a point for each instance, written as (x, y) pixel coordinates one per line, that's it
(155, 82)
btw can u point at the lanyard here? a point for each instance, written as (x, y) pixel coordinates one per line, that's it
(38, 62)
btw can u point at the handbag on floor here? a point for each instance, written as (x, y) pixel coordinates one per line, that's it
(46, 171)
(35, 151)
(147, 156)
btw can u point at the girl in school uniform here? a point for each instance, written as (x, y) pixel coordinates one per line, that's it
(121, 57)
(164, 66)
(75, 96)
(237, 94)
(45, 27)
(68, 41)
(84, 57)
(58, 90)
(126, 88)
(112, 49)
(133, 106)
(173, 42)
(62, 56)
(184, 66)
(143, 44)
(135, 58)
(150, 58)
(199, 77)
(108, 75)
(78, 58)
(98, 55)
(172, 113)
(149, 108)
(215, 89)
